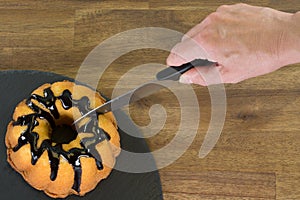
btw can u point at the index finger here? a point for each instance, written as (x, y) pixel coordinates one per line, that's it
(186, 51)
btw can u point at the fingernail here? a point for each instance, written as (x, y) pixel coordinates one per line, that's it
(171, 60)
(185, 80)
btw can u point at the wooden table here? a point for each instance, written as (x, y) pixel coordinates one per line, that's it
(257, 155)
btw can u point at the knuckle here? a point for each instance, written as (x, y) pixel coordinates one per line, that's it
(214, 16)
(265, 10)
(241, 5)
(223, 8)
(230, 8)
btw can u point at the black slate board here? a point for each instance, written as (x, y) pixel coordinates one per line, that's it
(16, 86)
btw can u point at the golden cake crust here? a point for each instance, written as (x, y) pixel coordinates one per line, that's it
(38, 174)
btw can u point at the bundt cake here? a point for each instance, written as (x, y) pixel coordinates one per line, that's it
(50, 152)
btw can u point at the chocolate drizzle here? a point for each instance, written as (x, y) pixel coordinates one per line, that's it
(47, 101)
(54, 148)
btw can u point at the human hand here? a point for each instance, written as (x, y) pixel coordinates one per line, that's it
(245, 41)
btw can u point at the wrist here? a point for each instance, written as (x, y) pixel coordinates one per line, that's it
(291, 50)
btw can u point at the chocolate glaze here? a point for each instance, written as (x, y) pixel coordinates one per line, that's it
(48, 101)
(90, 143)
(54, 149)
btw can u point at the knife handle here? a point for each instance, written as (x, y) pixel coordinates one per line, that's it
(173, 73)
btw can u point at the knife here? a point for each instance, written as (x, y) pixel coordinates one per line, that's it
(170, 73)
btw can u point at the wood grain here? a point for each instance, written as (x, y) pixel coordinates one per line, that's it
(257, 154)
(212, 184)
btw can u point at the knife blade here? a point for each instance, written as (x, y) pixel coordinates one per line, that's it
(170, 73)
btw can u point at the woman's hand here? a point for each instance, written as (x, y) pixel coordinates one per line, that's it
(245, 41)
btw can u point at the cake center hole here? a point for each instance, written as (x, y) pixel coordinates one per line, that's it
(63, 134)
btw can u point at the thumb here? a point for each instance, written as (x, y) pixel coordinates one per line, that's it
(192, 76)
(186, 51)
